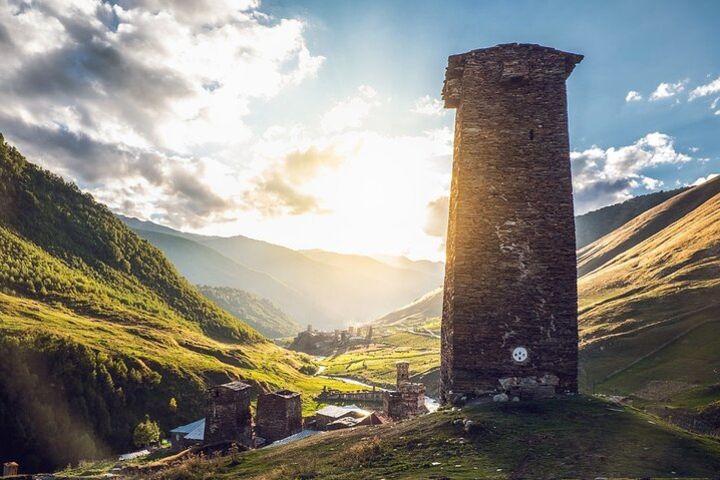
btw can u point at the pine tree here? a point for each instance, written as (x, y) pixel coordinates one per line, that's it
(146, 433)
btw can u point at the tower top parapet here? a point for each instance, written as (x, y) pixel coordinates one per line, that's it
(509, 63)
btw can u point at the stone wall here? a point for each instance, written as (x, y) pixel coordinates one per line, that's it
(227, 416)
(358, 396)
(279, 415)
(510, 297)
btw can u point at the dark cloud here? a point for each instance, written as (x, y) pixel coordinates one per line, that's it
(6, 42)
(437, 217)
(188, 200)
(89, 70)
(599, 193)
(275, 196)
(198, 197)
(89, 160)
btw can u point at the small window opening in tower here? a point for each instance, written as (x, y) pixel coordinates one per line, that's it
(532, 134)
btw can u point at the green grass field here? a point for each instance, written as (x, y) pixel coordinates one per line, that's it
(375, 364)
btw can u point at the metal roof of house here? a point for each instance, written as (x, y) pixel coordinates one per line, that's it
(197, 434)
(334, 411)
(346, 422)
(236, 385)
(189, 427)
(284, 393)
(292, 438)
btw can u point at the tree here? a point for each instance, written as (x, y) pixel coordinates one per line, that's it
(146, 433)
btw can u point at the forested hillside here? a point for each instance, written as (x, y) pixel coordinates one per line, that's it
(98, 329)
(260, 313)
(593, 225)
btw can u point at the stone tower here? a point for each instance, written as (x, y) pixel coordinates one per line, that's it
(403, 373)
(279, 415)
(227, 415)
(510, 298)
(409, 398)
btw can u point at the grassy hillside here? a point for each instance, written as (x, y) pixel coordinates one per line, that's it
(338, 288)
(97, 328)
(417, 312)
(649, 300)
(258, 312)
(598, 223)
(574, 438)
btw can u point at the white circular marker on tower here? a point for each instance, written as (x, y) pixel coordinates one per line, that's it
(520, 354)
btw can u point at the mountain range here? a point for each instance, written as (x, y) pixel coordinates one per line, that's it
(325, 289)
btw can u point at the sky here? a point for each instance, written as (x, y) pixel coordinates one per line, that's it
(318, 124)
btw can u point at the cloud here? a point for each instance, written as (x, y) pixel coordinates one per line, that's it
(633, 96)
(668, 90)
(437, 217)
(605, 176)
(139, 99)
(707, 178)
(350, 113)
(651, 183)
(710, 88)
(278, 189)
(430, 106)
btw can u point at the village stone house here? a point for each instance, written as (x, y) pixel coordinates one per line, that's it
(227, 415)
(279, 415)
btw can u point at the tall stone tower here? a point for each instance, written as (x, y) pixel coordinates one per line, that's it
(510, 298)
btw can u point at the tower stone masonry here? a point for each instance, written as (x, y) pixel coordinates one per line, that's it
(409, 398)
(279, 415)
(510, 298)
(227, 415)
(402, 375)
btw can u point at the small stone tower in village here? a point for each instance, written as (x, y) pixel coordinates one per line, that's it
(510, 300)
(409, 398)
(279, 415)
(403, 374)
(227, 415)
